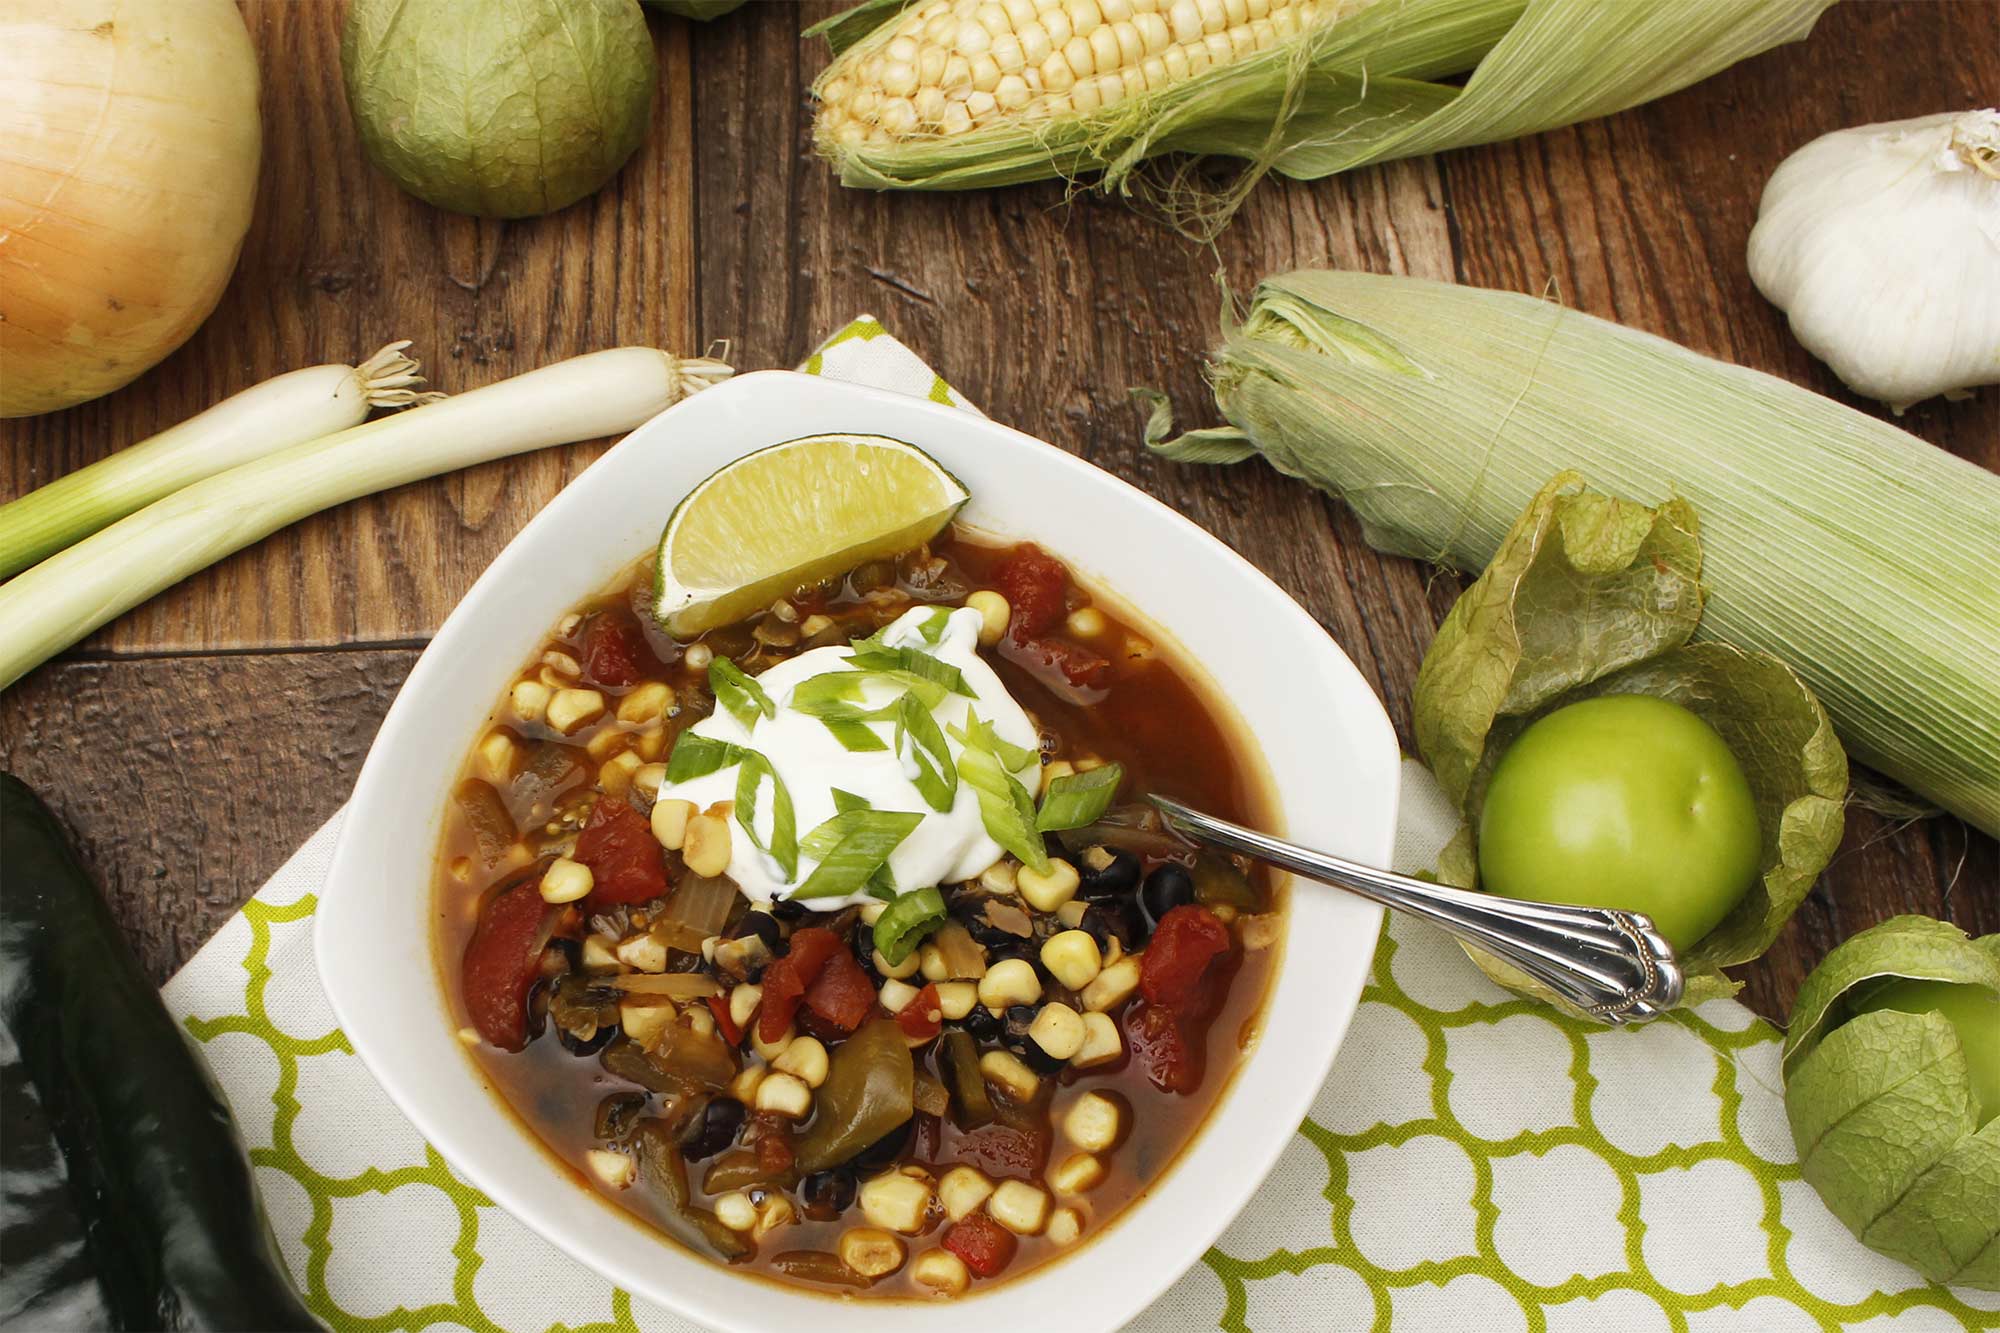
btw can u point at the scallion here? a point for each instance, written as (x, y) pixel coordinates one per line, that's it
(856, 844)
(1005, 807)
(52, 605)
(1079, 798)
(738, 693)
(696, 756)
(905, 922)
(752, 772)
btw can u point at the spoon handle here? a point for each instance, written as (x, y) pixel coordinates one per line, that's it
(1609, 963)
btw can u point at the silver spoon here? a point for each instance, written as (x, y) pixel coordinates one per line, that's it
(1611, 964)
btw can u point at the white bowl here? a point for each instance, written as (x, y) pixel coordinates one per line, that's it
(1331, 754)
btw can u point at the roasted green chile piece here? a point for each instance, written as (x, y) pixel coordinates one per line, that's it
(958, 1054)
(1592, 595)
(870, 1089)
(130, 1204)
(1885, 1100)
(654, 1142)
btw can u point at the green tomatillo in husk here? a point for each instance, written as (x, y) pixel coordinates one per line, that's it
(1892, 1087)
(1602, 758)
(499, 108)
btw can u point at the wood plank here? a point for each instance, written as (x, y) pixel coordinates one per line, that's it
(186, 781)
(338, 261)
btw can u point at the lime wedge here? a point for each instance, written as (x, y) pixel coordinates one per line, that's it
(792, 515)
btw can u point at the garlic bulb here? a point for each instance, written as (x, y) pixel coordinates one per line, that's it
(1882, 244)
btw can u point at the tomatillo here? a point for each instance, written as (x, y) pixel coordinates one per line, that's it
(1972, 1011)
(1624, 801)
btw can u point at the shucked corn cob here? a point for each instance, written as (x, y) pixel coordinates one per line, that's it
(945, 67)
(955, 94)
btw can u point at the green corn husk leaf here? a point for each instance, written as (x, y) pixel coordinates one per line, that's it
(1356, 89)
(1591, 595)
(1855, 553)
(1882, 1110)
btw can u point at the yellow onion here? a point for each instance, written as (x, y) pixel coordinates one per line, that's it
(128, 165)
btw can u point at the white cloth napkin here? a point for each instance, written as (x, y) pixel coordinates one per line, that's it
(1474, 1162)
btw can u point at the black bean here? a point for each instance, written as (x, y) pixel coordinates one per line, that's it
(590, 1045)
(759, 923)
(1115, 919)
(1017, 1020)
(885, 1150)
(786, 910)
(981, 1024)
(1168, 887)
(1039, 1060)
(1120, 876)
(827, 1194)
(713, 1130)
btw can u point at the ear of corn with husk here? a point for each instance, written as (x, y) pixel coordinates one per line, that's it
(1863, 558)
(954, 94)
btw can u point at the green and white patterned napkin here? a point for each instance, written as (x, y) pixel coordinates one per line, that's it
(1475, 1162)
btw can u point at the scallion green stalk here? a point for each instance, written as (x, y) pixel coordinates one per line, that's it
(68, 595)
(277, 414)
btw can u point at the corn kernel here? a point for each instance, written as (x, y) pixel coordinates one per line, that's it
(1084, 15)
(647, 779)
(784, 1094)
(776, 1212)
(1101, 1042)
(530, 700)
(870, 1251)
(896, 995)
(1093, 1122)
(598, 955)
(646, 1019)
(1005, 1071)
(1114, 985)
(606, 742)
(1008, 982)
(930, 962)
(565, 881)
(962, 1190)
(570, 709)
(743, 1002)
(871, 912)
(805, 1060)
(615, 1169)
(614, 775)
(956, 998)
(896, 1202)
(1071, 913)
(744, 1086)
(644, 703)
(1079, 1173)
(735, 1211)
(1046, 891)
(705, 846)
(642, 953)
(942, 1271)
(670, 822)
(1002, 877)
(700, 1020)
(496, 758)
(771, 1050)
(1072, 958)
(699, 656)
(898, 971)
(1058, 1030)
(1065, 1226)
(1019, 1207)
(1103, 41)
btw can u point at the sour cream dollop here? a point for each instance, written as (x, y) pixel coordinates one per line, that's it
(946, 846)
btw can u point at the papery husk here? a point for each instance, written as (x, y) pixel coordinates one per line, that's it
(1353, 91)
(1592, 595)
(1855, 553)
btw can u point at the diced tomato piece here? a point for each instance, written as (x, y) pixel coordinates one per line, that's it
(502, 961)
(841, 994)
(984, 1245)
(1162, 1047)
(1060, 662)
(625, 860)
(719, 1006)
(786, 979)
(922, 1018)
(1187, 939)
(1033, 582)
(614, 650)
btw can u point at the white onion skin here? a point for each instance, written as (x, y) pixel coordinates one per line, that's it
(129, 142)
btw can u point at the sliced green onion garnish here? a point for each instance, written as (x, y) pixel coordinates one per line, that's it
(1079, 799)
(784, 844)
(933, 627)
(911, 661)
(844, 801)
(859, 848)
(696, 756)
(1004, 807)
(738, 694)
(905, 922)
(937, 777)
(978, 734)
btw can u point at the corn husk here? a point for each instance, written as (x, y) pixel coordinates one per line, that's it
(1356, 89)
(1863, 558)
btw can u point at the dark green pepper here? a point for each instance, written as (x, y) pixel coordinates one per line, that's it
(130, 1204)
(870, 1089)
(958, 1054)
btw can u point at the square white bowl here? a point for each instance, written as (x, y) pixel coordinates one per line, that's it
(1330, 753)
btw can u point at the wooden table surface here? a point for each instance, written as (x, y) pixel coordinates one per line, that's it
(192, 745)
